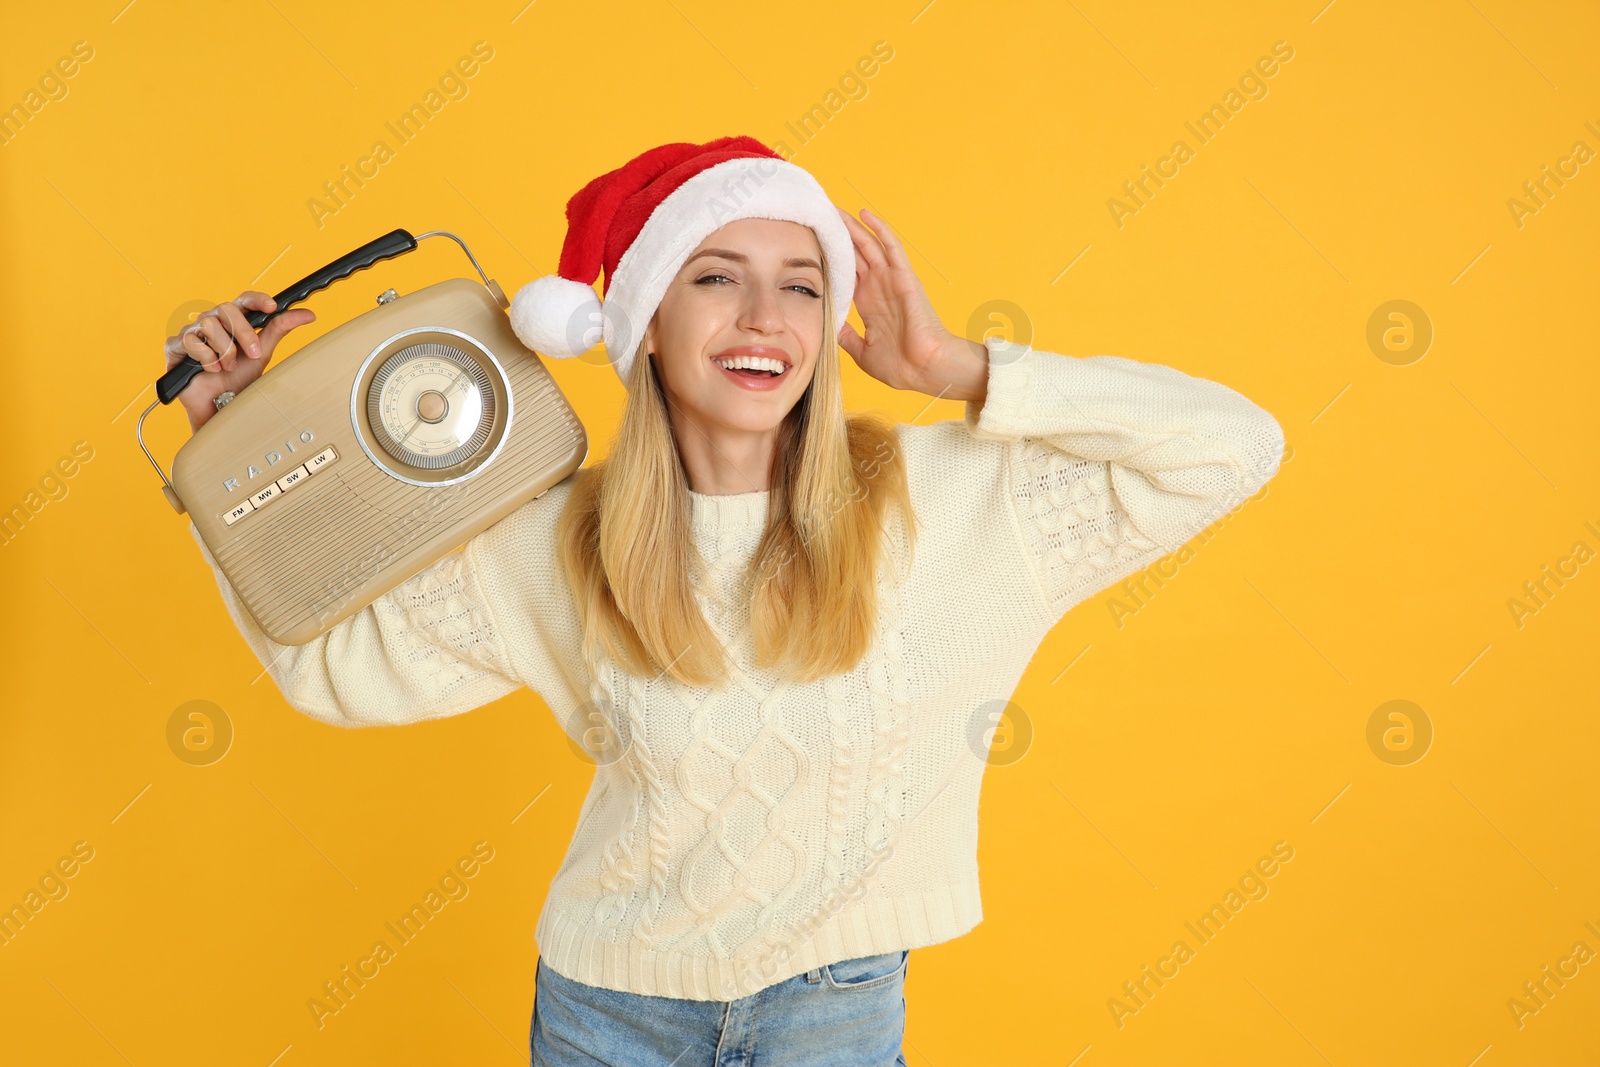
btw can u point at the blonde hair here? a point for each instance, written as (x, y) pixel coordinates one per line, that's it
(628, 553)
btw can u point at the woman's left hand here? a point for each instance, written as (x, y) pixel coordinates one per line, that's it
(906, 346)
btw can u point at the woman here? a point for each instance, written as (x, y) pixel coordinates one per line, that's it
(778, 630)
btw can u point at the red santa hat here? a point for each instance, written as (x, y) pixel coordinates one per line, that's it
(641, 221)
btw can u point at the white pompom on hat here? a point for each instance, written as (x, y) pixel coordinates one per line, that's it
(545, 308)
(641, 222)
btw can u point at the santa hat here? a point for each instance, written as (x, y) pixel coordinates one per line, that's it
(641, 221)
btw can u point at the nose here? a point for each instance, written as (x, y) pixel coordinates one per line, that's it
(761, 311)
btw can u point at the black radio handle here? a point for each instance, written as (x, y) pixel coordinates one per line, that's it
(394, 243)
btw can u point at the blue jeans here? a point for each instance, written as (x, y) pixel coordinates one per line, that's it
(846, 1014)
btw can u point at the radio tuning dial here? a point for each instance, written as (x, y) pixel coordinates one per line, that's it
(431, 406)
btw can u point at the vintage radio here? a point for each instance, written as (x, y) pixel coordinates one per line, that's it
(374, 450)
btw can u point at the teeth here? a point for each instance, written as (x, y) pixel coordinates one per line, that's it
(751, 363)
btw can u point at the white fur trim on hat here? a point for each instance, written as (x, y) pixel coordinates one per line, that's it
(556, 316)
(746, 187)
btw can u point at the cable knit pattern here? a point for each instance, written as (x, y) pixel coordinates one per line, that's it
(891, 702)
(838, 784)
(739, 835)
(618, 875)
(1076, 531)
(445, 633)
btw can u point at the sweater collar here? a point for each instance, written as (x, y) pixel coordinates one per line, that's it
(728, 513)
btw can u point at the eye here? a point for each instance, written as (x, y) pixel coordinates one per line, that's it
(808, 290)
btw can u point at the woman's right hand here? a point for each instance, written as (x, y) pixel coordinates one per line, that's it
(231, 352)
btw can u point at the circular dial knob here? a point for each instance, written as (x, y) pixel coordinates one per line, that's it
(431, 405)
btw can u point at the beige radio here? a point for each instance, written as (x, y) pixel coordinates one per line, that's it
(373, 451)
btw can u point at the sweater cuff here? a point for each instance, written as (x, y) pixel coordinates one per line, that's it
(1003, 412)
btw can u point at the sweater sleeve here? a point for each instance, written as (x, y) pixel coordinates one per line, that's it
(427, 649)
(1113, 463)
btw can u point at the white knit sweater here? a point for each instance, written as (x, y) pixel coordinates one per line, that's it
(748, 835)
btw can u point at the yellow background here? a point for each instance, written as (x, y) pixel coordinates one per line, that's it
(1168, 754)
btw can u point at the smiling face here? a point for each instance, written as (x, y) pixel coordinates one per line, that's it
(746, 302)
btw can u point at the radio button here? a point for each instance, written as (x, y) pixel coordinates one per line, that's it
(293, 478)
(265, 494)
(244, 508)
(320, 460)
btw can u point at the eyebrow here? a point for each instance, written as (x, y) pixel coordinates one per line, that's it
(740, 257)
